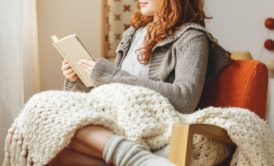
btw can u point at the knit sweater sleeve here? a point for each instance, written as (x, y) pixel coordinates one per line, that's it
(77, 86)
(190, 72)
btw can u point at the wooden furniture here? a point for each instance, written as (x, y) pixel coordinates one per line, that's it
(241, 84)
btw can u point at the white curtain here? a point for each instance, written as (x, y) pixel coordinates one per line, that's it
(18, 60)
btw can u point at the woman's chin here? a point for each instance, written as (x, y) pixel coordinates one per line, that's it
(147, 13)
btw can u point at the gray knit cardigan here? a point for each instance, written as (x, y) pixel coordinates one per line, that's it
(180, 66)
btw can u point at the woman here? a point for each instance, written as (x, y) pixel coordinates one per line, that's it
(166, 50)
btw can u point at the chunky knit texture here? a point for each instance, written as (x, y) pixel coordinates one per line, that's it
(50, 119)
(180, 66)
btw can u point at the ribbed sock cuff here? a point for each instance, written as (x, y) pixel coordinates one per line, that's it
(120, 151)
(110, 147)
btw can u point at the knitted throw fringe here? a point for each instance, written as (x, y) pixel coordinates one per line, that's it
(50, 119)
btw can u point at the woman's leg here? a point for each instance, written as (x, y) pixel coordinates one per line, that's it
(115, 150)
(92, 138)
(96, 142)
(85, 148)
(69, 157)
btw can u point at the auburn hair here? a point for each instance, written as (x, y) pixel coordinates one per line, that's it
(170, 15)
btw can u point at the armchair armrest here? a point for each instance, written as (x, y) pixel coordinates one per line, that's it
(180, 152)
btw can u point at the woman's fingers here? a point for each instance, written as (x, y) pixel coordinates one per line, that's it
(68, 72)
(87, 68)
(65, 62)
(73, 77)
(65, 67)
(87, 62)
(87, 65)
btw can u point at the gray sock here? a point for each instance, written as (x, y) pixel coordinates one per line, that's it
(121, 152)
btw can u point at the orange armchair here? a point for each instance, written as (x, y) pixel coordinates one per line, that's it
(242, 84)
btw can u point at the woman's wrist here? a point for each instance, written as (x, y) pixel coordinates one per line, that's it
(71, 81)
(103, 72)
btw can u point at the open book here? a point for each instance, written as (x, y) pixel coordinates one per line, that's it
(72, 49)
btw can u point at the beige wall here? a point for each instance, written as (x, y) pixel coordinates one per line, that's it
(239, 25)
(61, 18)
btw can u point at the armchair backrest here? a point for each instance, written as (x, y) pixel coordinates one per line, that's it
(243, 83)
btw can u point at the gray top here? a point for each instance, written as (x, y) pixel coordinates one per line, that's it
(179, 68)
(130, 62)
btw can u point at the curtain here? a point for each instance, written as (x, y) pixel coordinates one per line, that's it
(117, 15)
(18, 60)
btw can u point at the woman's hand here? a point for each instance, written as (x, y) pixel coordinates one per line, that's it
(68, 72)
(87, 65)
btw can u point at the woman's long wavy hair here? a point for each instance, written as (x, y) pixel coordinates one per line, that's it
(170, 14)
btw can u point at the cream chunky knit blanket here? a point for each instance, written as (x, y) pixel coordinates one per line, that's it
(49, 120)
